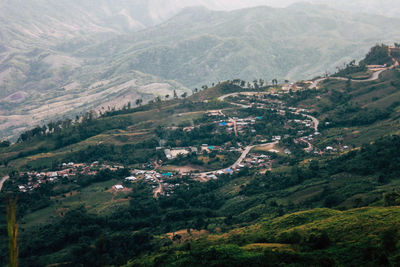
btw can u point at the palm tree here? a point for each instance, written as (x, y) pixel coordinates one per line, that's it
(11, 208)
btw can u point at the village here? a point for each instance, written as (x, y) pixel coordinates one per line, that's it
(163, 181)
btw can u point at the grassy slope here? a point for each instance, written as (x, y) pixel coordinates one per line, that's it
(345, 229)
(140, 127)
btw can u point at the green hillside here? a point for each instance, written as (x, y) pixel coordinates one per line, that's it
(319, 237)
(307, 198)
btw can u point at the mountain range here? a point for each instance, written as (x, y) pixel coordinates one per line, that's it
(63, 58)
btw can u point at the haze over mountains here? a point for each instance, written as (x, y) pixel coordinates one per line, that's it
(60, 58)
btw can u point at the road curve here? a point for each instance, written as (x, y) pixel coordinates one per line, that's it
(374, 77)
(239, 160)
(3, 180)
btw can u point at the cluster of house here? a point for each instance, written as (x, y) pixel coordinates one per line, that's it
(262, 102)
(336, 148)
(68, 170)
(307, 122)
(294, 87)
(252, 160)
(172, 153)
(175, 152)
(155, 179)
(215, 113)
(185, 129)
(213, 175)
(257, 160)
(242, 125)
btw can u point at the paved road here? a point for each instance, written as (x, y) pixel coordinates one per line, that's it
(374, 77)
(222, 98)
(315, 120)
(239, 160)
(315, 83)
(3, 180)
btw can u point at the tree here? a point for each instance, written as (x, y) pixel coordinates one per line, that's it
(166, 96)
(175, 94)
(177, 237)
(5, 143)
(389, 239)
(255, 82)
(378, 55)
(139, 102)
(184, 95)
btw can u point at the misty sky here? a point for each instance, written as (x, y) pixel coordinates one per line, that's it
(381, 7)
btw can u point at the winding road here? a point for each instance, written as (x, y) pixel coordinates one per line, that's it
(374, 77)
(249, 148)
(202, 176)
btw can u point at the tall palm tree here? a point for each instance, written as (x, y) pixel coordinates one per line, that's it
(11, 208)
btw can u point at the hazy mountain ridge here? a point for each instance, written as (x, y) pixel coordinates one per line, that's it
(295, 43)
(49, 60)
(384, 8)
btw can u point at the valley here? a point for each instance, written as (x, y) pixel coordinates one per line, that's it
(292, 172)
(100, 57)
(199, 133)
